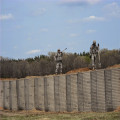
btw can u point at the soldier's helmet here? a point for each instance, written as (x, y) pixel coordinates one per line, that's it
(94, 41)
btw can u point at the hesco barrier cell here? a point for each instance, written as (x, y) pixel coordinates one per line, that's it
(74, 99)
(68, 93)
(71, 89)
(108, 90)
(57, 93)
(6, 96)
(87, 91)
(1, 94)
(29, 94)
(39, 93)
(94, 105)
(49, 93)
(20, 94)
(100, 91)
(62, 92)
(13, 95)
(80, 92)
(115, 77)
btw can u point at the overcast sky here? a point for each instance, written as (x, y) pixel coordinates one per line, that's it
(33, 27)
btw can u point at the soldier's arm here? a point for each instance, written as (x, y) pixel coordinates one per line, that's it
(91, 49)
(61, 53)
(98, 48)
(55, 57)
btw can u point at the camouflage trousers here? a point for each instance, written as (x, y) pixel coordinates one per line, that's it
(93, 57)
(58, 67)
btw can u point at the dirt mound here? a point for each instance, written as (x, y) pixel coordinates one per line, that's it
(78, 70)
(117, 110)
(1, 108)
(114, 66)
(8, 78)
(87, 69)
(31, 76)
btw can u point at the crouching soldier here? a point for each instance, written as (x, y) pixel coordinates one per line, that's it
(58, 59)
(94, 53)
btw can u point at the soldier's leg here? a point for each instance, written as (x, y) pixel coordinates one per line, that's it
(96, 62)
(60, 67)
(57, 67)
(92, 60)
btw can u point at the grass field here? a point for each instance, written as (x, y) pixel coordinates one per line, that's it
(60, 116)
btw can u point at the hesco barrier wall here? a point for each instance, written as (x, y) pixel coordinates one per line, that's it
(97, 91)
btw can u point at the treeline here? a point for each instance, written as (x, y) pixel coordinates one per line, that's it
(45, 64)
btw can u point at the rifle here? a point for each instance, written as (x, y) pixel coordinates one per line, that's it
(64, 49)
(99, 57)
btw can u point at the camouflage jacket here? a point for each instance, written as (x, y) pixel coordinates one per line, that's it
(58, 57)
(94, 49)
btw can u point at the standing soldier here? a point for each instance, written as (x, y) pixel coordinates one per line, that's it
(94, 53)
(58, 59)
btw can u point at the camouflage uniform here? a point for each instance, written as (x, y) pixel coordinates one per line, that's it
(58, 59)
(94, 49)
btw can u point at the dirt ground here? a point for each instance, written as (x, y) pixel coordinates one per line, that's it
(87, 69)
(30, 112)
(78, 70)
(117, 110)
(114, 66)
(1, 108)
(34, 111)
(38, 112)
(8, 78)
